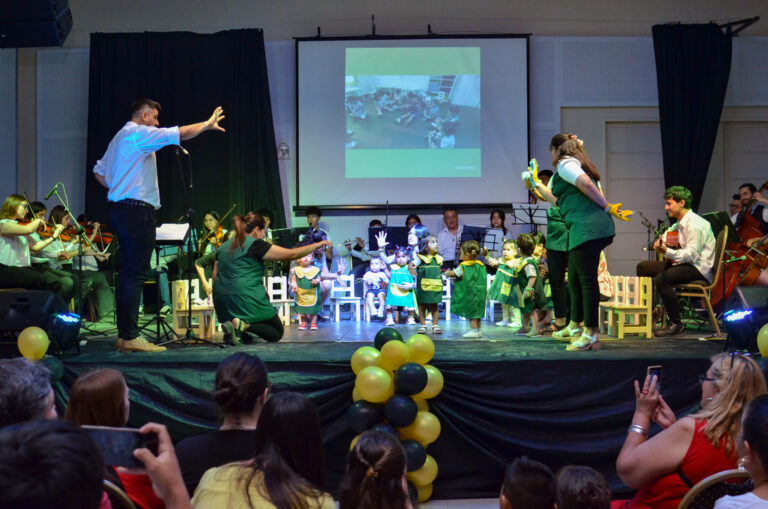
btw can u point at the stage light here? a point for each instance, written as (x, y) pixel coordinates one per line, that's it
(741, 328)
(64, 330)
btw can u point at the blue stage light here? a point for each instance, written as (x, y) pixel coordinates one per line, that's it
(741, 328)
(64, 330)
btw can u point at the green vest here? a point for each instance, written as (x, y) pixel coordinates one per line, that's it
(468, 299)
(583, 218)
(238, 291)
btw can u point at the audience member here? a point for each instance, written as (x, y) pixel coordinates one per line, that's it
(25, 392)
(752, 444)
(100, 398)
(323, 257)
(448, 238)
(287, 471)
(361, 253)
(664, 467)
(240, 391)
(375, 474)
(528, 484)
(50, 464)
(411, 220)
(580, 487)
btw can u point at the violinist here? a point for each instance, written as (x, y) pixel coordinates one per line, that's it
(213, 233)
(692, 260)
(758, 210)
(16, 246)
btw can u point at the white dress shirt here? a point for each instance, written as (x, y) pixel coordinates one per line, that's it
(129, 164)
(697, 244)
(447, 243)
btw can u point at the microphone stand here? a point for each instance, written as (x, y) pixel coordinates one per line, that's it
(191, 252)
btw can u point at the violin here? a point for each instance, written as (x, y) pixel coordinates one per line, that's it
(215, 236)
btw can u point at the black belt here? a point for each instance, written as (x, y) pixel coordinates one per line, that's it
(139, 203)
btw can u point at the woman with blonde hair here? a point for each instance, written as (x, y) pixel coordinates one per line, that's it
(664, 467)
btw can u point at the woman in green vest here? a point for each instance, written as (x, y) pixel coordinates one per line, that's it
(587, 215)
(239, 296)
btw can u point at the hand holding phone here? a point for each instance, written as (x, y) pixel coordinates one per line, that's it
(655, 371)
(117, 444)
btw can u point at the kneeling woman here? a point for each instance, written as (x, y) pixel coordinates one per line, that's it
(239, 296)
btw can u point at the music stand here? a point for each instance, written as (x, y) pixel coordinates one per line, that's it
(396, 235)
(494, 240)
(476, 233)
(528, 213)
(720, 219)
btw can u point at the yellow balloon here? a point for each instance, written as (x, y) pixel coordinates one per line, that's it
(393, 355)
(421, 404)
(423, 493)
(425, 475)
(356, 395)
(762, 340)
(374, 384)
(425, 429)
(421, 348)
(363, 357)
(434, 383)
(354, 441)
(33, 342)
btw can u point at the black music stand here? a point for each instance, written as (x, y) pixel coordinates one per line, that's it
(718, 221)
(396, 235)
(528, 213)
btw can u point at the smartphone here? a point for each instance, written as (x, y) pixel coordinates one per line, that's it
(655, 371)
(117, 444)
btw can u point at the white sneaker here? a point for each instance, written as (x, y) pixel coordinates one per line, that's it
(473, 334)
(411, 321)
(503, 323)
(389, 321)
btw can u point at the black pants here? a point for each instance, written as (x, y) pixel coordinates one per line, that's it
(664, 279)
(583, 261)
(98, 282)
(270, 329)
(557, 262)
(135, 228)
(38, 278)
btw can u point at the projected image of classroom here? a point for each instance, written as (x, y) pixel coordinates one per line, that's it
(412, 112)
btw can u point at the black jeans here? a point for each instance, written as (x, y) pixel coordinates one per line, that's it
(135, 228)
(582, 281)
(98, 282)
(270, 329)
(557, 262)
(664, 279)
(37, 278)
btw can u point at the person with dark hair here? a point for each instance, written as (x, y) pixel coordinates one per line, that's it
(239, 296)
(360, 254)
(129, 171)
(497, 221)
(46, 464)
(429, 279)
(469, 293)
(752, 444)
(240, 391)
(693, 258)
(212, 235)
(528, 484)
(735, 207)
(575, 190)
(287, 469)
(528, 285)
(580, 487)
(758, 209)
(375, 474)
(411, 220)
(25, 392)
(323, 257)
(448, 238)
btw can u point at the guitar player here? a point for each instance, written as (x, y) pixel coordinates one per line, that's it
(692, 260)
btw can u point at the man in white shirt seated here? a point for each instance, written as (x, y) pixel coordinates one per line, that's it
(693, 260)
(448, 238)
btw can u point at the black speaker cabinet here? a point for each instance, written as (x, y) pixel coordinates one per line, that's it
(34, 23)
(20, 309)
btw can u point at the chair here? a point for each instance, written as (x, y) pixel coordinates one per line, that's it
(702, 289)
(706, 491)
(204, 314)
(490, 305)
(632, 298)
(117, 496)
(277, 291)
(343, 292)
(447, 297)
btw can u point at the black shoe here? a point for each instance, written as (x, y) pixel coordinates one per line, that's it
(672, 329)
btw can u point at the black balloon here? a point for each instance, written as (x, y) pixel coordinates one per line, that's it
(363, 415)
(386, 334)
(387, 428)
(400, 410)
(410, 378)
(415, 454)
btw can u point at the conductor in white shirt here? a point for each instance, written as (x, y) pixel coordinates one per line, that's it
(128, 170)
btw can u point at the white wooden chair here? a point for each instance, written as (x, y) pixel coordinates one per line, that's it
(343, 292)
(447, 297)
(277, 290)
(631, 309)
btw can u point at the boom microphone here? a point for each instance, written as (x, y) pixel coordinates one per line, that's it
(48, 196)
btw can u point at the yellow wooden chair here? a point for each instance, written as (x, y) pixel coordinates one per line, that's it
(704, 494)
(631, 310)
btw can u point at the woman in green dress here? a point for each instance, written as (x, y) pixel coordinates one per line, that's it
(239, 296)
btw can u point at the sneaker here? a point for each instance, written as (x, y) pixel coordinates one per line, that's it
(672, 329)
(303, 326)
(313, 326)
(165, 310)
(230, 334)
(389, 321)
(137, 345)
(503, 323)
(411, 321)
(473, 334)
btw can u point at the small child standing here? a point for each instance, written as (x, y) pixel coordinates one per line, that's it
(374, 288)
(530, 292)
(503, 287)
(305, 283)
(401, 286)
(469, 293)
(429, 287)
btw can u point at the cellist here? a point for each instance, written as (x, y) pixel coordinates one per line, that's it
(752, 222)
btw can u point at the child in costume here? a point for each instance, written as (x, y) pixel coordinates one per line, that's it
(544, 314)
(429, 282)
(305, 282)
(503, 287)
(468, 299)
(530, 292)
(374, 288)
(401, 285)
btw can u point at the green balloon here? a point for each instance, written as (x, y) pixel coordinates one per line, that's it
(385, 335)
(55, 366)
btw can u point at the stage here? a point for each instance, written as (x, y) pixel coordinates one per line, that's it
(504, 395)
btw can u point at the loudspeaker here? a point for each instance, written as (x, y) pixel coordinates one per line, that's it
(20, 309)
(34, 23)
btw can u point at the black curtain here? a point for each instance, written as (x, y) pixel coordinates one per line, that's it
(189, 75)
(692, 67)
